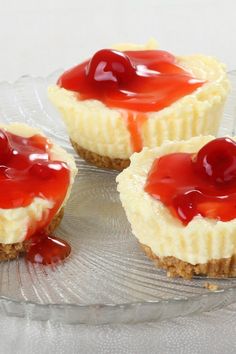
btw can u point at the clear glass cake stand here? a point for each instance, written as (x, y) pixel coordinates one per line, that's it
(107, 278)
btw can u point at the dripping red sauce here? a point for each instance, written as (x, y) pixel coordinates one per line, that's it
(197, 184)
(27, 172)
(136, 82)
(47, 249)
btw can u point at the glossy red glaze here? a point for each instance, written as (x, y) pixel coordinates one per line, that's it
(46, 249)
(27, 172)
(143, 81)
(202, 184)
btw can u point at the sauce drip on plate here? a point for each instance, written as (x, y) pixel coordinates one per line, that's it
(47, 249)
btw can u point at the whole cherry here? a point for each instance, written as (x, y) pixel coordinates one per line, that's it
(216, 161)
(110, 67)
(5, 148)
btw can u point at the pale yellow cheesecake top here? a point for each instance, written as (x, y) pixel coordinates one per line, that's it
(103, 130)
(152, 223)
(14, 223)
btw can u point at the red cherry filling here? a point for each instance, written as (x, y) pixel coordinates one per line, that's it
(202, 184)
(109, 67)
(217, 160)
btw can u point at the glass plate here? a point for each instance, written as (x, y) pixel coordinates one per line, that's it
(107, 278)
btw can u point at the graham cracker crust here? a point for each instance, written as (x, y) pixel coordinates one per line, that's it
(12, 251)
(99, 160)
(215, 268)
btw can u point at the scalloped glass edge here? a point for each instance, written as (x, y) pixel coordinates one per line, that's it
(127, 313)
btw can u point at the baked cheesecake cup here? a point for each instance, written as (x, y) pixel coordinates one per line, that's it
(120, 101)
(180, 200)
(36, 178)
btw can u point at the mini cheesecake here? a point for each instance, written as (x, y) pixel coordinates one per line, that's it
(180, 200)
(36, 178)
(120, 101)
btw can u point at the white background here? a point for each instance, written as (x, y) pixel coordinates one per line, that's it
(37, 37)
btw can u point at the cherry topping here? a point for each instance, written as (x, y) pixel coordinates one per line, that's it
(140, 81)
(110, 66)
(216, 161)
(47, 249)
(5, 149)
(202, 184)
(27, 172)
